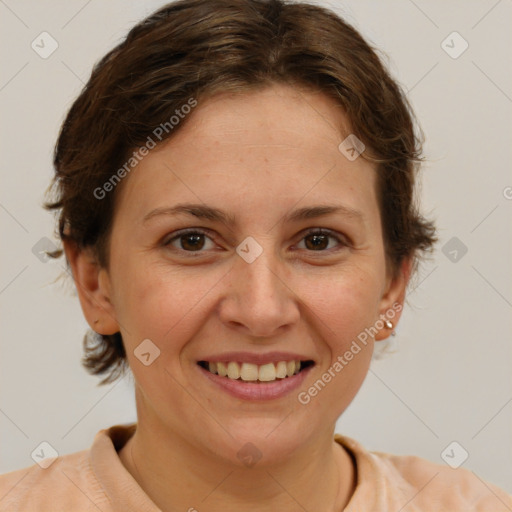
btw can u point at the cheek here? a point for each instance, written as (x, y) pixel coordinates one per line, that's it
(346, 303)
(161, 303)
(344, 306)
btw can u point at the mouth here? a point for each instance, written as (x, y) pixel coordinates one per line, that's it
(256, 373)
(255, 382)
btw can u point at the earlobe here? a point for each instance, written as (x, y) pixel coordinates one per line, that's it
(93, 288)
(393, 300)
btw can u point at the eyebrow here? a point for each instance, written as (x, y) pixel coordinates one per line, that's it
(202, 211)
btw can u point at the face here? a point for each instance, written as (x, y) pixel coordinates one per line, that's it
(242, 277)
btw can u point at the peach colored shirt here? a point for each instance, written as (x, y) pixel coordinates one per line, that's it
(96, 480)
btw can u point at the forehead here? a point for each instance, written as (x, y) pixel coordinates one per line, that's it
(278, 116)
(248, 149)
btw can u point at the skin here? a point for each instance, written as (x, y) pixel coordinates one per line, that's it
(258, 156)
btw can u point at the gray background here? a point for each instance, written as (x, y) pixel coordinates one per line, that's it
(449, 379)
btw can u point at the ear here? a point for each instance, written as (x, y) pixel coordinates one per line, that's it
(94, 290)
(392, 301)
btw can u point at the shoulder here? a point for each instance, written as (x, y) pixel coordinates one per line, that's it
(454, 489)
(417, 484)
(67, 484)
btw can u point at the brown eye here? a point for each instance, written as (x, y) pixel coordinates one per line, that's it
(318, 240)
(189, 241)
(192, 242)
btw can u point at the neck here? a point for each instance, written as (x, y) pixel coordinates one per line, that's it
(178, 476)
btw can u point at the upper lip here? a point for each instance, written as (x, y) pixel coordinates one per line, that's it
(259, 359)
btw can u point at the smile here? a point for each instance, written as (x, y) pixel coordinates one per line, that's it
(250, 372)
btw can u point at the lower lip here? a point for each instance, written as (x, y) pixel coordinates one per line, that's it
(254, 390)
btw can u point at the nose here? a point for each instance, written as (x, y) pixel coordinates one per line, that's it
(259, 301)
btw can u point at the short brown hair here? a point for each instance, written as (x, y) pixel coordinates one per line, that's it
(196, 48)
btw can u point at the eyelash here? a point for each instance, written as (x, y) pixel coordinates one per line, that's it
(199, 231)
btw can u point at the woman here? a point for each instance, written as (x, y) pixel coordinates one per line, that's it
(235, 187)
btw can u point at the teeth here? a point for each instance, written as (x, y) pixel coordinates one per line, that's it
(233, 370)
(253, 372)
(267, 372)
(221, 369)
(249, 371)
(281, 370)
